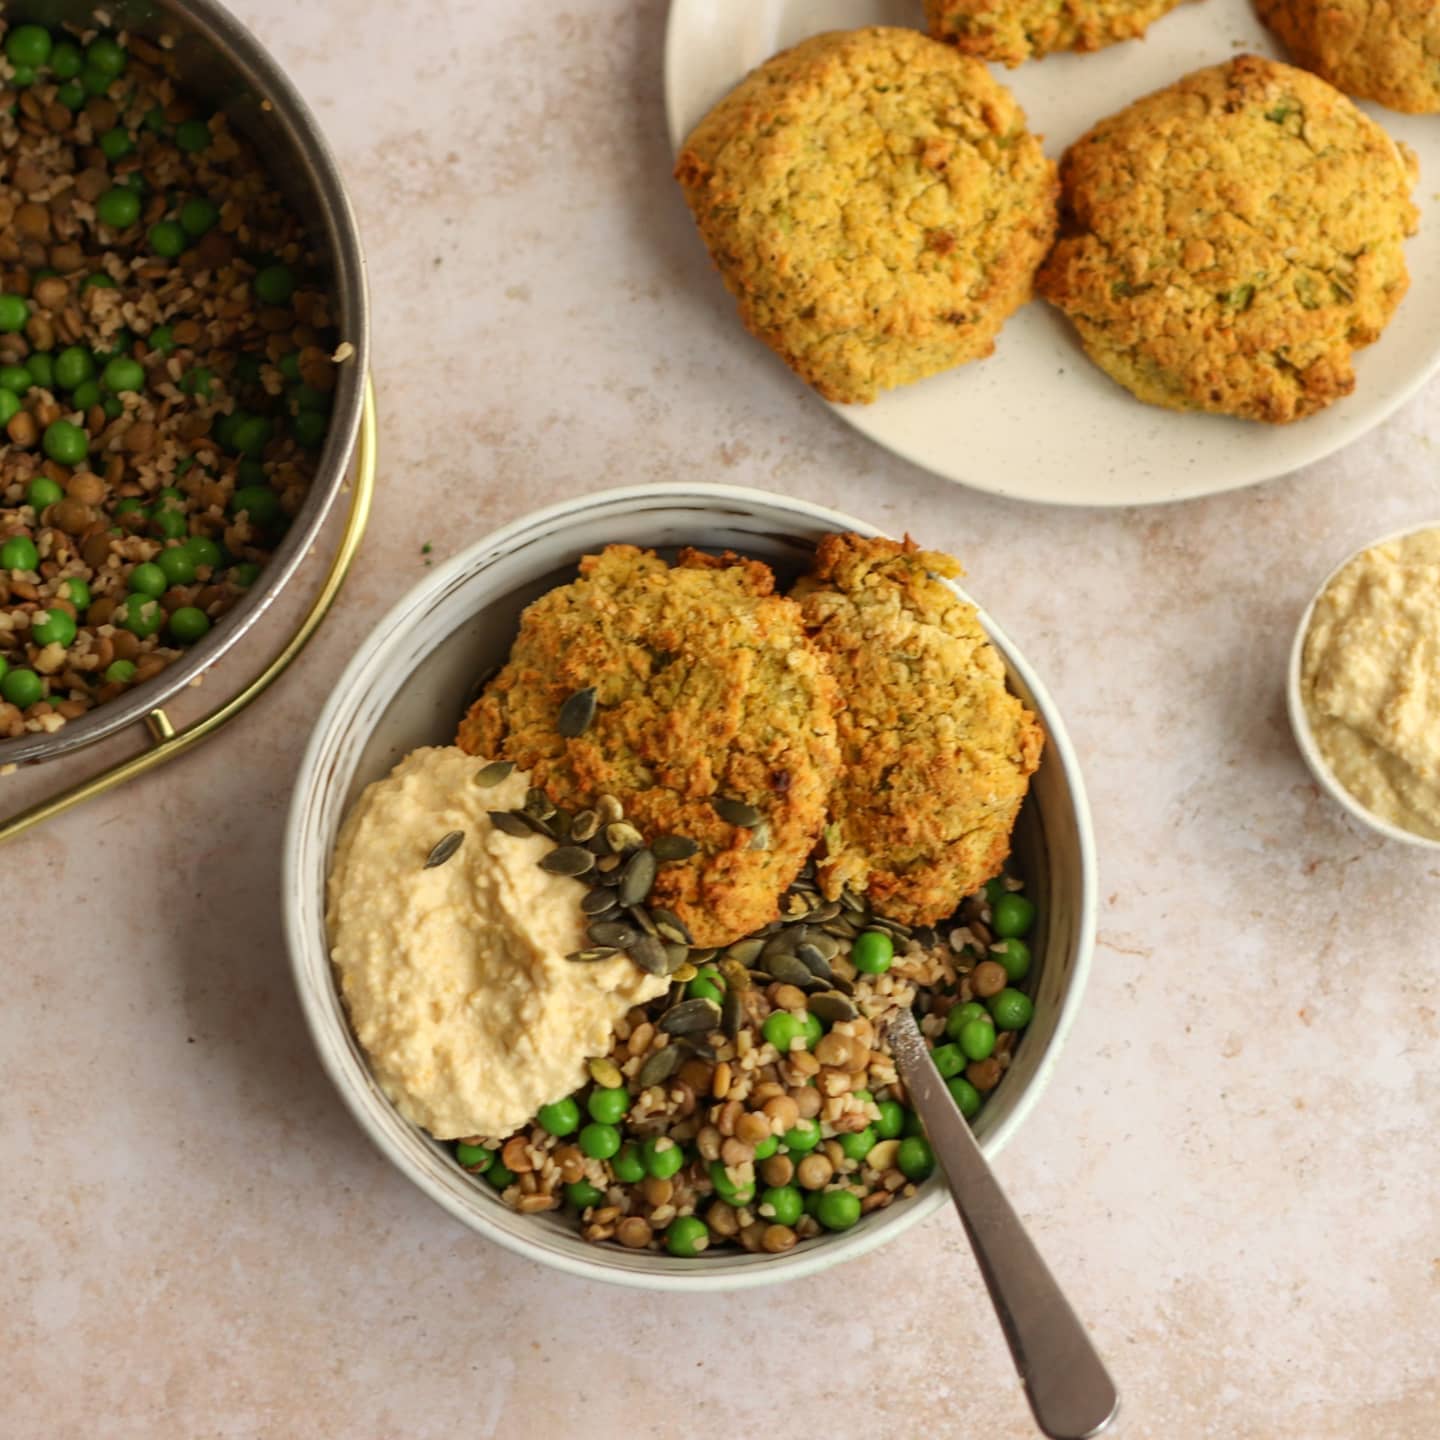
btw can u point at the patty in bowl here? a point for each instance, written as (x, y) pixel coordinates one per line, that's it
(470, 620)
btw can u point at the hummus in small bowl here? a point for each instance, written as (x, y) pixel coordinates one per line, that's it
(1364, 686)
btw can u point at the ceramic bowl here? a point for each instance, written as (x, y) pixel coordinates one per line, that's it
(408, 685)
(1300, 722)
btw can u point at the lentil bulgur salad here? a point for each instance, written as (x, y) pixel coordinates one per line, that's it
(749, 1098)
(165, 369)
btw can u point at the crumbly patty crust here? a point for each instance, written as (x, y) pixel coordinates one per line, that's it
(706, 687)
(875, 204)
(1013, 31)
(936, 754)
(1385, 50)
(1228, 242)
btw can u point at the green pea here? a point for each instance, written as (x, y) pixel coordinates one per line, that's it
(914, 1125)
(197, 381)
(259, 502)
(14, 312)
(1011, 1009)
(781, 1028)
(99, 281)
(1011, 916)
(803, 1136)
(154, 120)
(22, 688)
(251, 472)
(290, 365)
(116, 144)
(104, 55)
(1014, 955)
(43, 491)
(244, 574)
(66, 61)
(500, 1176)
(4, 667)
(308, 428)
(727, 1189)
(961, 1016)
(148, 578)
(703, 987)
(119, 208)
(561, 1118)
(28, 45)
(599, 1142)
(75, 590)
(42, 369)
(85, 394)
(838, 1209)
(162, 338)
(627, 1166)
(892, 1119)
(872, 952)
(582, 1194)
(178, 564)
(170, 497)
(275, 284)
(977, 1039)
(71, 94)
(662, 1156)
(19, 553)
(784, 1203)
(21, 77)
(915, 1159)
(965, 1095)
(859, 1143)
(252, 435)
(203, 551)
(198, 216)
(192, 136)
(52, 627)
(765, 1148)
(16, 378)
(123, 374)
(95, 82)
(812, 1201)
(169, 524)
(811, 1030)
(608, 1106)
(122, 672)
(948, 1060)
(9, 406)
(131, 506)
(73, 366)
(307, 397)
(475, 1158)
(167, 239)
(687, 1236)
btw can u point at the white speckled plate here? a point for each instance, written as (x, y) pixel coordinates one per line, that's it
(1037, 420)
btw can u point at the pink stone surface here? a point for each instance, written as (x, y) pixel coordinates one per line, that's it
(1234, 1169)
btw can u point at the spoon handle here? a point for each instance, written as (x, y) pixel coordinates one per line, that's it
(1070, 1392)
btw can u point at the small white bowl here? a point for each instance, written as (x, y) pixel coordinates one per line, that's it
(408, 685)
(1300, 721)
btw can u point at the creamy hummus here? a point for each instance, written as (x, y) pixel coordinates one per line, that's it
(455, 976)
(1371, 680)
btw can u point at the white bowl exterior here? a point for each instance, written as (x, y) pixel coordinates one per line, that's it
(1300, 721)
(348, 748)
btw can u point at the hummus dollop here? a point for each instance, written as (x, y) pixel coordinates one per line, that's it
(1370, 680)
(455, 976)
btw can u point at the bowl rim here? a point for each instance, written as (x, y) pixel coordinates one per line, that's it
(1300, 721)
(359, 1100)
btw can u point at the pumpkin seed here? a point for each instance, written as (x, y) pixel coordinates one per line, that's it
(604, 1071)
(659, 1067)
(789, 971)
(781, 944)
(736, 812)
(703, 957)
(844, 986)
(478, 688)
(600, 952)
(685, 974)
(568, 860)
(697, 1047)
(879, 922)
(676, 954)
(583, 825)
(493, 773)
(744, 952)
(577, 713)
(559, 822)
(649, 954)
(444, 848)
(851, 901)
(841, 929)
(830, 1006)
(732, 1011)
(609, 867)
(609, 809)
(736, 976)
(811, 958)
(535, 824)
(622, 837)
(538, 803)
(827, 945)
(509, 823)
(670, 925)
(674, 847)
(926, 936)
(638, 877)
(599, 902)
(613, 932)
(691, 1017)
(821, 913)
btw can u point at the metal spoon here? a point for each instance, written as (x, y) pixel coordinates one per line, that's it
(1070, 1392)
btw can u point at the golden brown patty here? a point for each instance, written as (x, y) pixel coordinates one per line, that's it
(1012, 31)
(876, 205)
(706, 687)
(936, 754)
(1228, 242)
(1385, 50)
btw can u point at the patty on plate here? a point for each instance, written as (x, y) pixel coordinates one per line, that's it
(1012, 31)
(710, 703)
(876, 205)
(936, 754)
(1228, 242)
